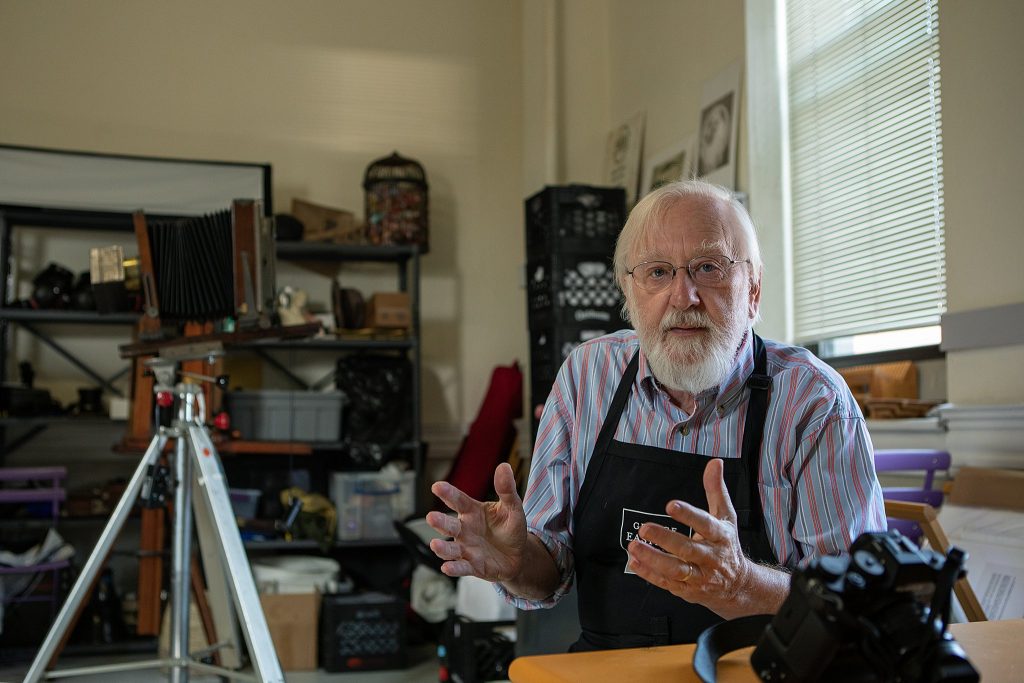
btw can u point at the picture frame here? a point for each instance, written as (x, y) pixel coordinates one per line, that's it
(622, 156)
(97, 181)
(718, 128)
(671, 164)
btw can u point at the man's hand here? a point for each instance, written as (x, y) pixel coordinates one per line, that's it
(708, 568)
(489, 539)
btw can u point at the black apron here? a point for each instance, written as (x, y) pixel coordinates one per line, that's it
(628, 484)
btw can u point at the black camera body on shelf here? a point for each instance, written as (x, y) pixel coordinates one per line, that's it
(877, 614)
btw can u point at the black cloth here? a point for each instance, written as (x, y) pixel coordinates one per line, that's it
(629, 484)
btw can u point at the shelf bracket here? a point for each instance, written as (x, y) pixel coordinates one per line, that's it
(282, 367)
(70, 357)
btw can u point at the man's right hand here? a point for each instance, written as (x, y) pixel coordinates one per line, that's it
(489, 538)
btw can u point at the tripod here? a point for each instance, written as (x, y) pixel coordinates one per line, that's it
(200, 482)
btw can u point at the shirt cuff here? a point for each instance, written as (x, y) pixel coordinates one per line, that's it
(563, 557)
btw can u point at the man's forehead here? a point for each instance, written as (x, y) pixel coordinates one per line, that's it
(701, 227)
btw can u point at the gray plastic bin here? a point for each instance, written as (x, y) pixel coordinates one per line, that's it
(279, 415)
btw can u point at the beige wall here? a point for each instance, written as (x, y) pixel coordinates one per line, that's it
(318, 89)
(983, 158)
(659, 53)
(496, 99)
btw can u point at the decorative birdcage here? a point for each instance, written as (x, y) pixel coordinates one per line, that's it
(396, 202)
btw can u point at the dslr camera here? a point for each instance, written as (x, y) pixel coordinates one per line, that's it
(877, 614)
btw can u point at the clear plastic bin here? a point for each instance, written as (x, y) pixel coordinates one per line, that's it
(369, 502)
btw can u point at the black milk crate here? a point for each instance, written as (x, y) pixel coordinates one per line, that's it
(362, 632)
(550, 344)
(574, 289)
(574, 218)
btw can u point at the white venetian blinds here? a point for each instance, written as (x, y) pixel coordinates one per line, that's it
(866, 155)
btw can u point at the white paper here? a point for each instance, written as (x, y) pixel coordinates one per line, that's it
(994, 541)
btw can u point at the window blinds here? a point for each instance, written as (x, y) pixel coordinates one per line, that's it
(866, 155)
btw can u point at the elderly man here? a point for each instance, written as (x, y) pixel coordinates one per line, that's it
(680, 469)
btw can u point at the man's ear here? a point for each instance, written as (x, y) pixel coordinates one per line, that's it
(754, 300)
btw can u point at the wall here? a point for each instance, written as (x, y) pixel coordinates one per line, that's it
(496, 99)
(318, 89)
(983, 137)
(658, 59)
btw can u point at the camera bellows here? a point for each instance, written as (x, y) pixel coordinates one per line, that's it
(193, 266)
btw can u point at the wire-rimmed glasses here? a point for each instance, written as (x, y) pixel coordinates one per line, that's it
(706, 271)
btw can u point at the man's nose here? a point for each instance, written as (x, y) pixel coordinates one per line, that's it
(683, 290)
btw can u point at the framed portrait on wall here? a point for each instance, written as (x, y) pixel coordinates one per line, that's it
(622, 156)
(718, 127)
(674, 163)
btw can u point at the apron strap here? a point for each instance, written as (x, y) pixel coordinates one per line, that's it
(760, 384)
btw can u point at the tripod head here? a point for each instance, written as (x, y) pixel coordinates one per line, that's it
(174, 383)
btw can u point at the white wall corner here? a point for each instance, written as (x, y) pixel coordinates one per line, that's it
(768, 172)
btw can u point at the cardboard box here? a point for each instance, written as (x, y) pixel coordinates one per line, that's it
(293, 620)
(984, 515)
(326, 224)
(988, 487)
(389, 309)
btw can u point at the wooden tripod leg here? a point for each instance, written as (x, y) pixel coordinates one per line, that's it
(151, 571)
(199, 593)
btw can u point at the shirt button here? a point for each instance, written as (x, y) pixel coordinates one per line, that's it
(685, 430)
(721, 411)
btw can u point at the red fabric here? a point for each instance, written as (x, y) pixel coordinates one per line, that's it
(491, 435)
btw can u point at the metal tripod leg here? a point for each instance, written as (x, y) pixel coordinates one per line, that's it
(181, 557)
(214, 495)
(79, 592)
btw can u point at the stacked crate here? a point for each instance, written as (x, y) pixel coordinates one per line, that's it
(571, 291)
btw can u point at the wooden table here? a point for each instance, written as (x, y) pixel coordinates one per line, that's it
(995, 648)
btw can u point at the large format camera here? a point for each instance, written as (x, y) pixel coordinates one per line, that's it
(877, 614)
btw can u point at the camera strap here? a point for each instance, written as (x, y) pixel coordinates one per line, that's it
(725, 637)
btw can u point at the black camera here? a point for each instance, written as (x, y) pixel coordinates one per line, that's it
(877, 614)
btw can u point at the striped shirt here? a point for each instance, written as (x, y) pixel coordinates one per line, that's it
(818, 485)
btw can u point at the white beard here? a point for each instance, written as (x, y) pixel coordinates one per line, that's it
(691, 365)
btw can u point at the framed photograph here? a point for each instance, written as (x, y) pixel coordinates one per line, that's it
(622, 156)
(716, 135)
(675, 163)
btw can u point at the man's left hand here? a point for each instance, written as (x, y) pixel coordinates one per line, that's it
(708, 568)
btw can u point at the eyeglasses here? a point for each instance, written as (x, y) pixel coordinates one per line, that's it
(705, 271)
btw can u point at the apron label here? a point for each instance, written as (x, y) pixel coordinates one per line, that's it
(632, 520)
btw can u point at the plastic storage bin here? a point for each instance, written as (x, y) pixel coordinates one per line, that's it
(278, 415)
(245, 502)
(368, 502)
(296, 574)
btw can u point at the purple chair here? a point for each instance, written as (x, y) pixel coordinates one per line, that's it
(40, 487)
(923, 461)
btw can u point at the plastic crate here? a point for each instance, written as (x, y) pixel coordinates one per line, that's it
(277, 415)
(362, 632)
(369, 502)
(574, 289)
(574, 218)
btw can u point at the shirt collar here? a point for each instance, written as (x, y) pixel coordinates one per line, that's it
(726, 393)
